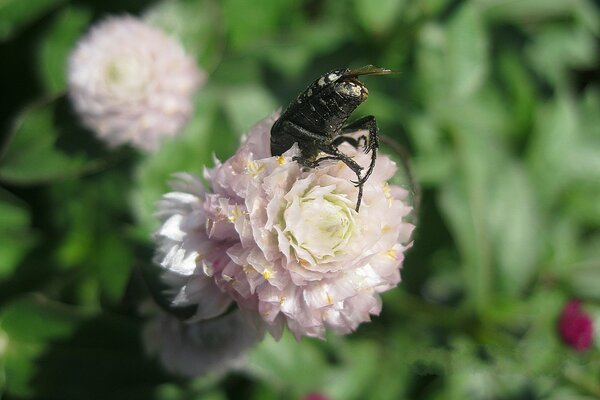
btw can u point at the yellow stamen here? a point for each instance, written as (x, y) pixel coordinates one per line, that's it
(254, 168)
(391, 253)
(303, 262)
(387, 193)
(280, 160)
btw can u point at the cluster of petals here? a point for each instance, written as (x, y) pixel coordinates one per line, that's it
(285, 242)
(132, 83)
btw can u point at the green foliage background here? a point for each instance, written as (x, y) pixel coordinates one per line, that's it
(499, 104)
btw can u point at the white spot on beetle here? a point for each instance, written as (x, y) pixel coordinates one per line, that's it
(321, 81)
(332, 77)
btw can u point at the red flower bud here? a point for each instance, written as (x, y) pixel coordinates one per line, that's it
(575, 326)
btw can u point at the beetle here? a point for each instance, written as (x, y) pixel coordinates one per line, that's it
(316, 120)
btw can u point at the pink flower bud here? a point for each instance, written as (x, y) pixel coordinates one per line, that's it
(315, 396)
(575, 326)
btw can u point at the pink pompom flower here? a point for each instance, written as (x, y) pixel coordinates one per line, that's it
(131, 83)
(575, 326)
(285, 242)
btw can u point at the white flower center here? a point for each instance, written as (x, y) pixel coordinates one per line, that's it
(125, 76)
(323, 227)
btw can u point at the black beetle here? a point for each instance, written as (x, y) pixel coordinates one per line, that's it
(316, 121)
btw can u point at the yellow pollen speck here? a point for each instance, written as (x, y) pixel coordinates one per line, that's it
(236, 214)
(280, 160)
(266, 274)
(329, 300)
(303, 262)
(387, 193)
(391, 253)
(254, 168)
(281, 300)
(386, 229)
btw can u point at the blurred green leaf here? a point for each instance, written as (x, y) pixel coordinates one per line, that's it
(553, 147)
(358, 368)
(28, 325)
(15, 234)
(523, 11)
(378, 16)
(293, 55)
(558, 48)
(584, 279)
(47, 144)
(463, 201)
(467, 51)
(289, 365)
(246, 105)
(250, 22)
(15, 14)
(515, 228)
(197, 24)
(519, 84)
(57, 45)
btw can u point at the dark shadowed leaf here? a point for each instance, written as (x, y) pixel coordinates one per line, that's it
(57, 44)
(48, 143)
(15, 14)
(61, 352)
(15, 234)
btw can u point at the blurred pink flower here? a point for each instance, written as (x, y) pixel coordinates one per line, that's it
(196, 348)
(575, 326)
(288, 243)
(131, 83)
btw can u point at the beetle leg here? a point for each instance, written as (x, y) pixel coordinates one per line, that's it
(335, 154)
(356, 143)
(323, 143)
(367, 123)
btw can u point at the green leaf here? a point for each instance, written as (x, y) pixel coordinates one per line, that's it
(56, 46)
(15, 14)
(378, 16)
(15, 235)
(47, 144)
